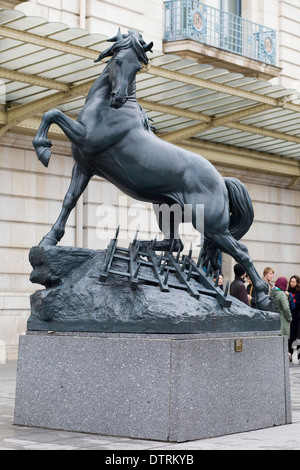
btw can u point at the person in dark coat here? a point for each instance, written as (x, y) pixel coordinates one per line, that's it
(237, 287)
(294, 290)
(251, 293)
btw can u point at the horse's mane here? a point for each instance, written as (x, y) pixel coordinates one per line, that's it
(124, 41)
(121, 41)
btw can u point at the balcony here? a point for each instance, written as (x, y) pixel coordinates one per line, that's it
(234, 43)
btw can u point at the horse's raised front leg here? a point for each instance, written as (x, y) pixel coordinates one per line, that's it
(78, 184)
(75, 132)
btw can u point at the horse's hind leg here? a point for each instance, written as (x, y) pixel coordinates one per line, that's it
(168, 219)
(75, 132)
(78, 184)
(225, 242)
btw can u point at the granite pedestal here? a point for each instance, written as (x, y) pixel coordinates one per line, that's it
(161, 386)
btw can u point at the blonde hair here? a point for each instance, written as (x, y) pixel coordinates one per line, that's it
(268, 270)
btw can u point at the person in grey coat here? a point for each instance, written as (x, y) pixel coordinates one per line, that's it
(278, 293)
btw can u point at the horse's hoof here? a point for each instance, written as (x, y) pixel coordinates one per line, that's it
(177, 245)
(42, 148)
(164, 245)
(168, 245)
(44, 154)
(264, 304)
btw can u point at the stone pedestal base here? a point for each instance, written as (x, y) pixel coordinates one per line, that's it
(160, 387)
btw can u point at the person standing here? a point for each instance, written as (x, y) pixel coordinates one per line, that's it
(278, 293)
(220, 280)
(251, 293)
(268, 275)
(237, 287)
(294, 290)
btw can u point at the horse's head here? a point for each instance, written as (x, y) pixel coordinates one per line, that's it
(128, 52)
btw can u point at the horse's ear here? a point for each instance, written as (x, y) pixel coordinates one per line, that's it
(107, 53)
(148, 47)
(118, 37)
(110, 51)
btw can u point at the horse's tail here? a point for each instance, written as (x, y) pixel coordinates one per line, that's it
(241, 219)
(241, 209)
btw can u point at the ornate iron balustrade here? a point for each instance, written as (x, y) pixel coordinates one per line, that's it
(191, 19)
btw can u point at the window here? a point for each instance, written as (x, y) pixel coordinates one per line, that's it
(232, 6)
(231, 25)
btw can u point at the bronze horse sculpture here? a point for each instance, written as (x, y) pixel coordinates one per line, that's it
(112, 139)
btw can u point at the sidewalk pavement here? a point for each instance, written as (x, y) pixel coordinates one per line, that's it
(24, 438)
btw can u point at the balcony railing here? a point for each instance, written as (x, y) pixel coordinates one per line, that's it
(190, 19)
